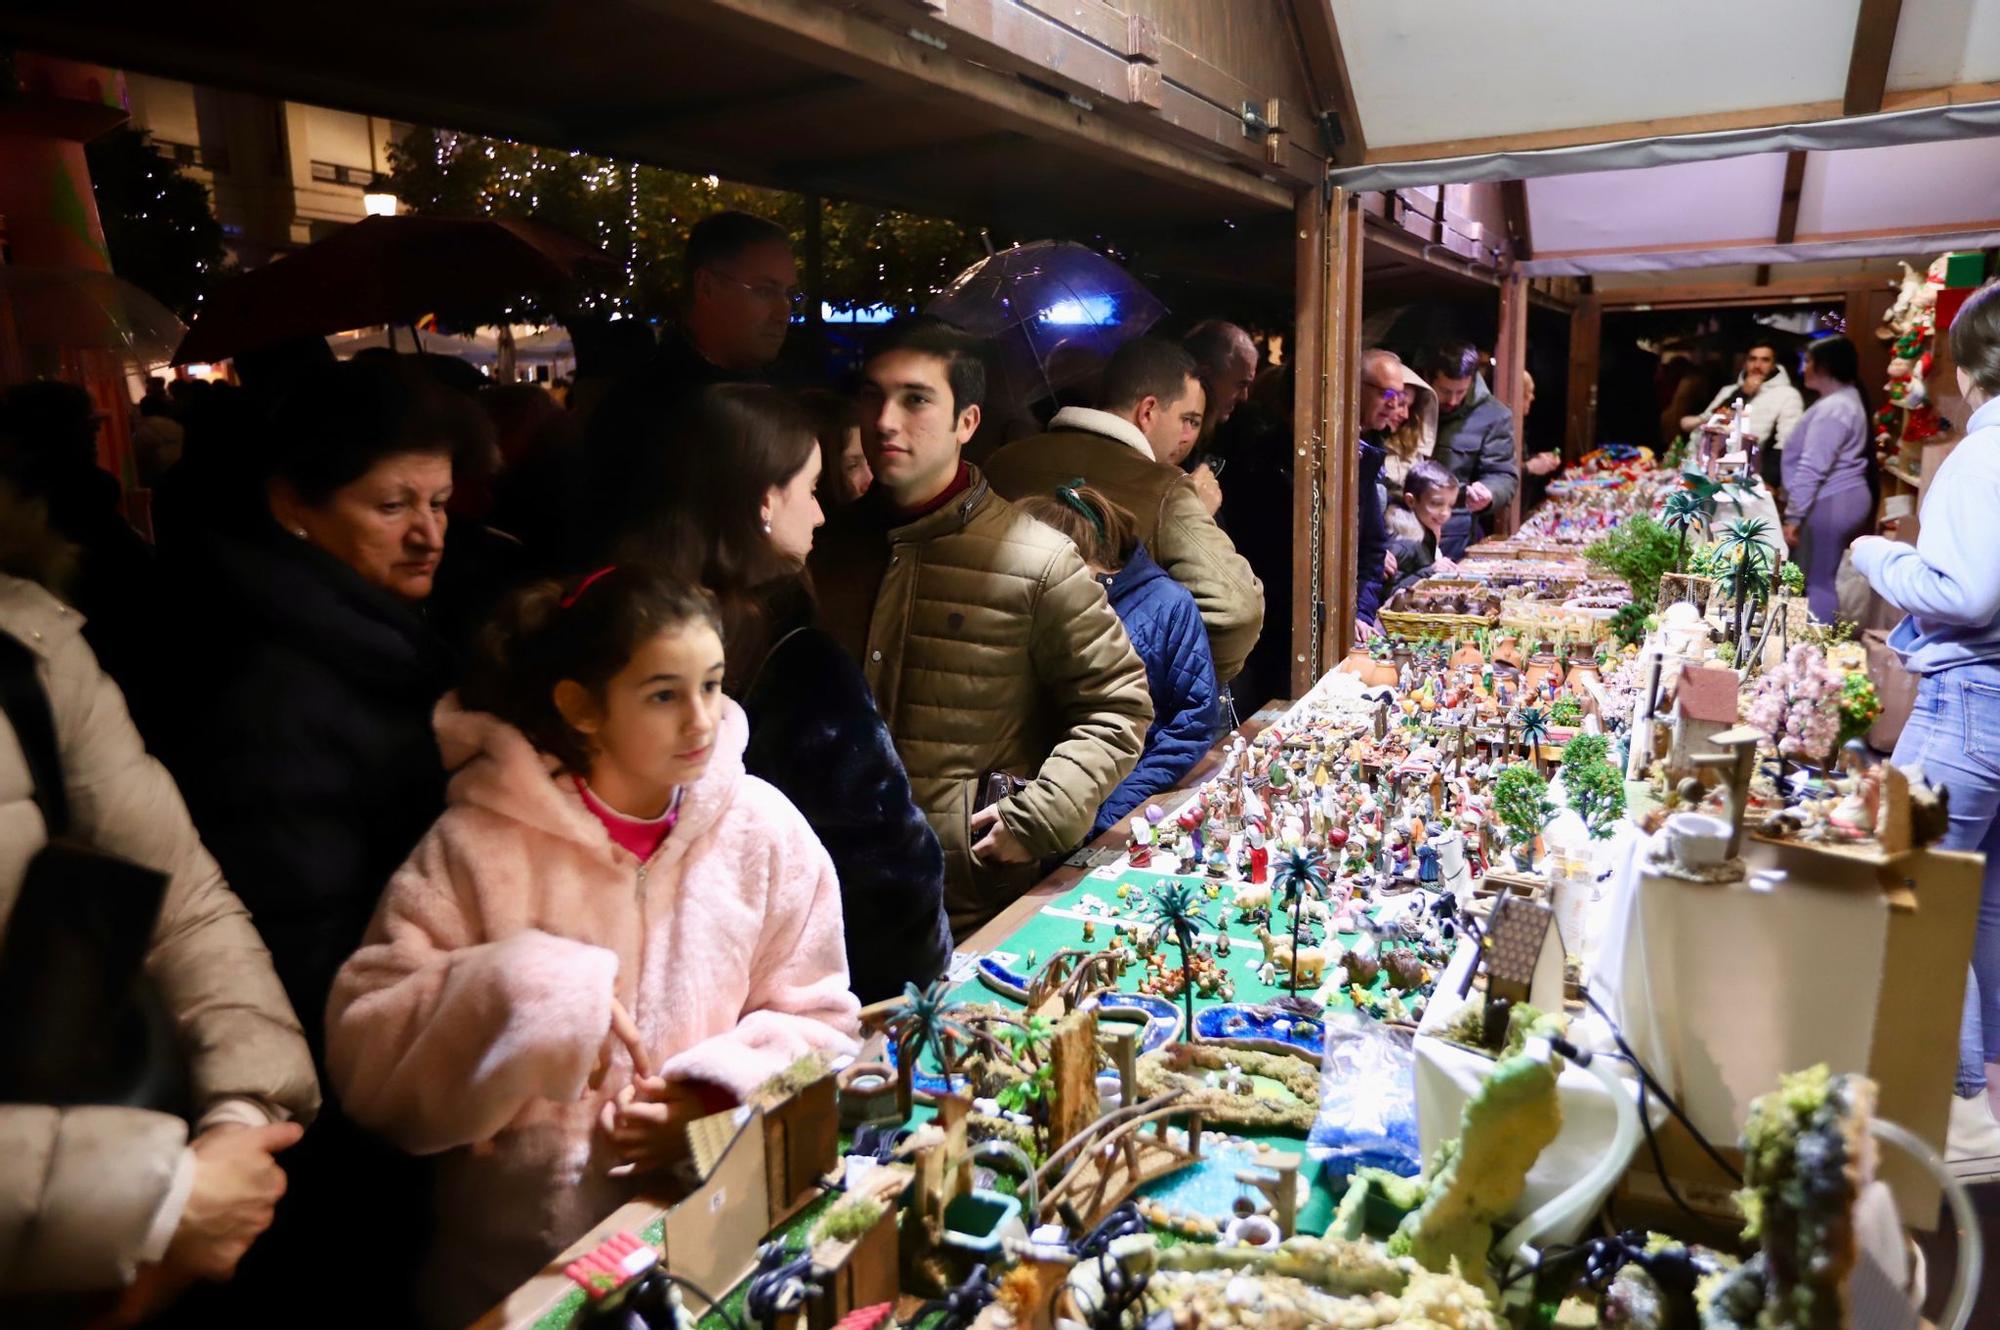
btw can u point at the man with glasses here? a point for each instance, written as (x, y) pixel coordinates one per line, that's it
(740, 287)
(1383, 402)
(1151, 401)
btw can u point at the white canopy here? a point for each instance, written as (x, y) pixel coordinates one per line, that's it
(1688, 134)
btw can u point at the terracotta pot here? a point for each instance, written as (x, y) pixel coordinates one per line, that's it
(1539, 669)
(1581, 673)
(1467, 657)
(1358, 662)
(1382, 673)
(1507, 652)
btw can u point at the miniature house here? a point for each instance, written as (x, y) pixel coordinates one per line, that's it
(1704, 706)
(1524, 953)
(711, 1237)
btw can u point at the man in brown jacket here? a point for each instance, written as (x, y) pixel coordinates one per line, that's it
(1152, 409)
(989, 647)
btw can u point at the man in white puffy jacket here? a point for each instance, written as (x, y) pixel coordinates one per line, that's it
(99, 1199)
(1772, 404)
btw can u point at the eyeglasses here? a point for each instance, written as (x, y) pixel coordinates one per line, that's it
(1389, 396)
(768, 292)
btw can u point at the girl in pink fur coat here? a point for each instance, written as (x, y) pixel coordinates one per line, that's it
(611, 930)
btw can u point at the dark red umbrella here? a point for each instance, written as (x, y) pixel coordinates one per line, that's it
(385, 270)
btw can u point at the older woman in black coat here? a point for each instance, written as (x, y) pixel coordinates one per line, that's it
(732, 505)
(303, 745)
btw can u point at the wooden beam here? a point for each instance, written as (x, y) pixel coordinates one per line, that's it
(1510, 368)
(1326, 68)
(1314, 282)
(1796, 113)
(872, 166)
(1429, 256)
(1691, 294)
(816, 96)
(1514, 202)
(848, 42)
(1129, 78)
(1788, 208)
(1585, 347)
(1788, 202)
(1958, 94)
(1342, 475)
(1868, 62)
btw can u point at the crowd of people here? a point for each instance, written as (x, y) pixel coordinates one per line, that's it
(529, 777)
(524, 778)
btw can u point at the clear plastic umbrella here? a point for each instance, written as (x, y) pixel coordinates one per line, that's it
(47, 315)
(1053, 311)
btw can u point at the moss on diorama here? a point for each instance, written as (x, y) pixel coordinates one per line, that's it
(849, 1220)
(1185, 1067)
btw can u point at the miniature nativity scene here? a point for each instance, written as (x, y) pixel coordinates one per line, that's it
(1368, 1026)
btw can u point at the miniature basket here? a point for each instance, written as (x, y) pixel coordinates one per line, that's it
(1405, 623)
(1431, 623)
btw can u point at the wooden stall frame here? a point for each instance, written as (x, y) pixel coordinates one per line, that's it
(1312, 269)
(1326, 462)
(1585, 349)
(1510, 368)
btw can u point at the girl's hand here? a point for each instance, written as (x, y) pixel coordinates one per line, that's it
(646, 1124)
(624, 1031)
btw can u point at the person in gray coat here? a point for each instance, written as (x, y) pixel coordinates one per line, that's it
(1475, 438)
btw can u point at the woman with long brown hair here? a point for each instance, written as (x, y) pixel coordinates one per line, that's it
(736, 512)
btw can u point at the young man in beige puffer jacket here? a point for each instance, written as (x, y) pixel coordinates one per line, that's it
(987, 643)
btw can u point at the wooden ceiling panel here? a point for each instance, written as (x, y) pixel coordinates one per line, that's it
(788, 93)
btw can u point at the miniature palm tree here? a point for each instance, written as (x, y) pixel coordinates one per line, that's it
(1534, 723)
(1298, 874)
(1177, 907)
(922, 1021)
(1745, 539)
(1683, 509)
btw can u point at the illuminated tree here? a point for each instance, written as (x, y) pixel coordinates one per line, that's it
(158, 228)
(641, 216)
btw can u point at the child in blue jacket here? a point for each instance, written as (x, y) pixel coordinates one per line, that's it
(1165, 626)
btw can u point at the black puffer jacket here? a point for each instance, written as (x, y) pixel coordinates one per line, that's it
(815, 734)
(303, 744)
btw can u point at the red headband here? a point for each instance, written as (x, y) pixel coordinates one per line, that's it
(585, 585)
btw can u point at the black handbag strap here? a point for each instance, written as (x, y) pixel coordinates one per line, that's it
(26, 705)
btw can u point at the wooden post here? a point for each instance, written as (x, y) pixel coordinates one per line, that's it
(1073, 1074)
(1510, 366)
(1585, 342)
(1343, 462)
(1327, 357)
(1125, 1056)
(1308, 426)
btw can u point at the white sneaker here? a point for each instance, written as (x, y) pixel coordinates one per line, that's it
(1972, 1141)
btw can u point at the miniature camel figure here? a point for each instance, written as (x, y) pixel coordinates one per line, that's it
(1278, 952)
